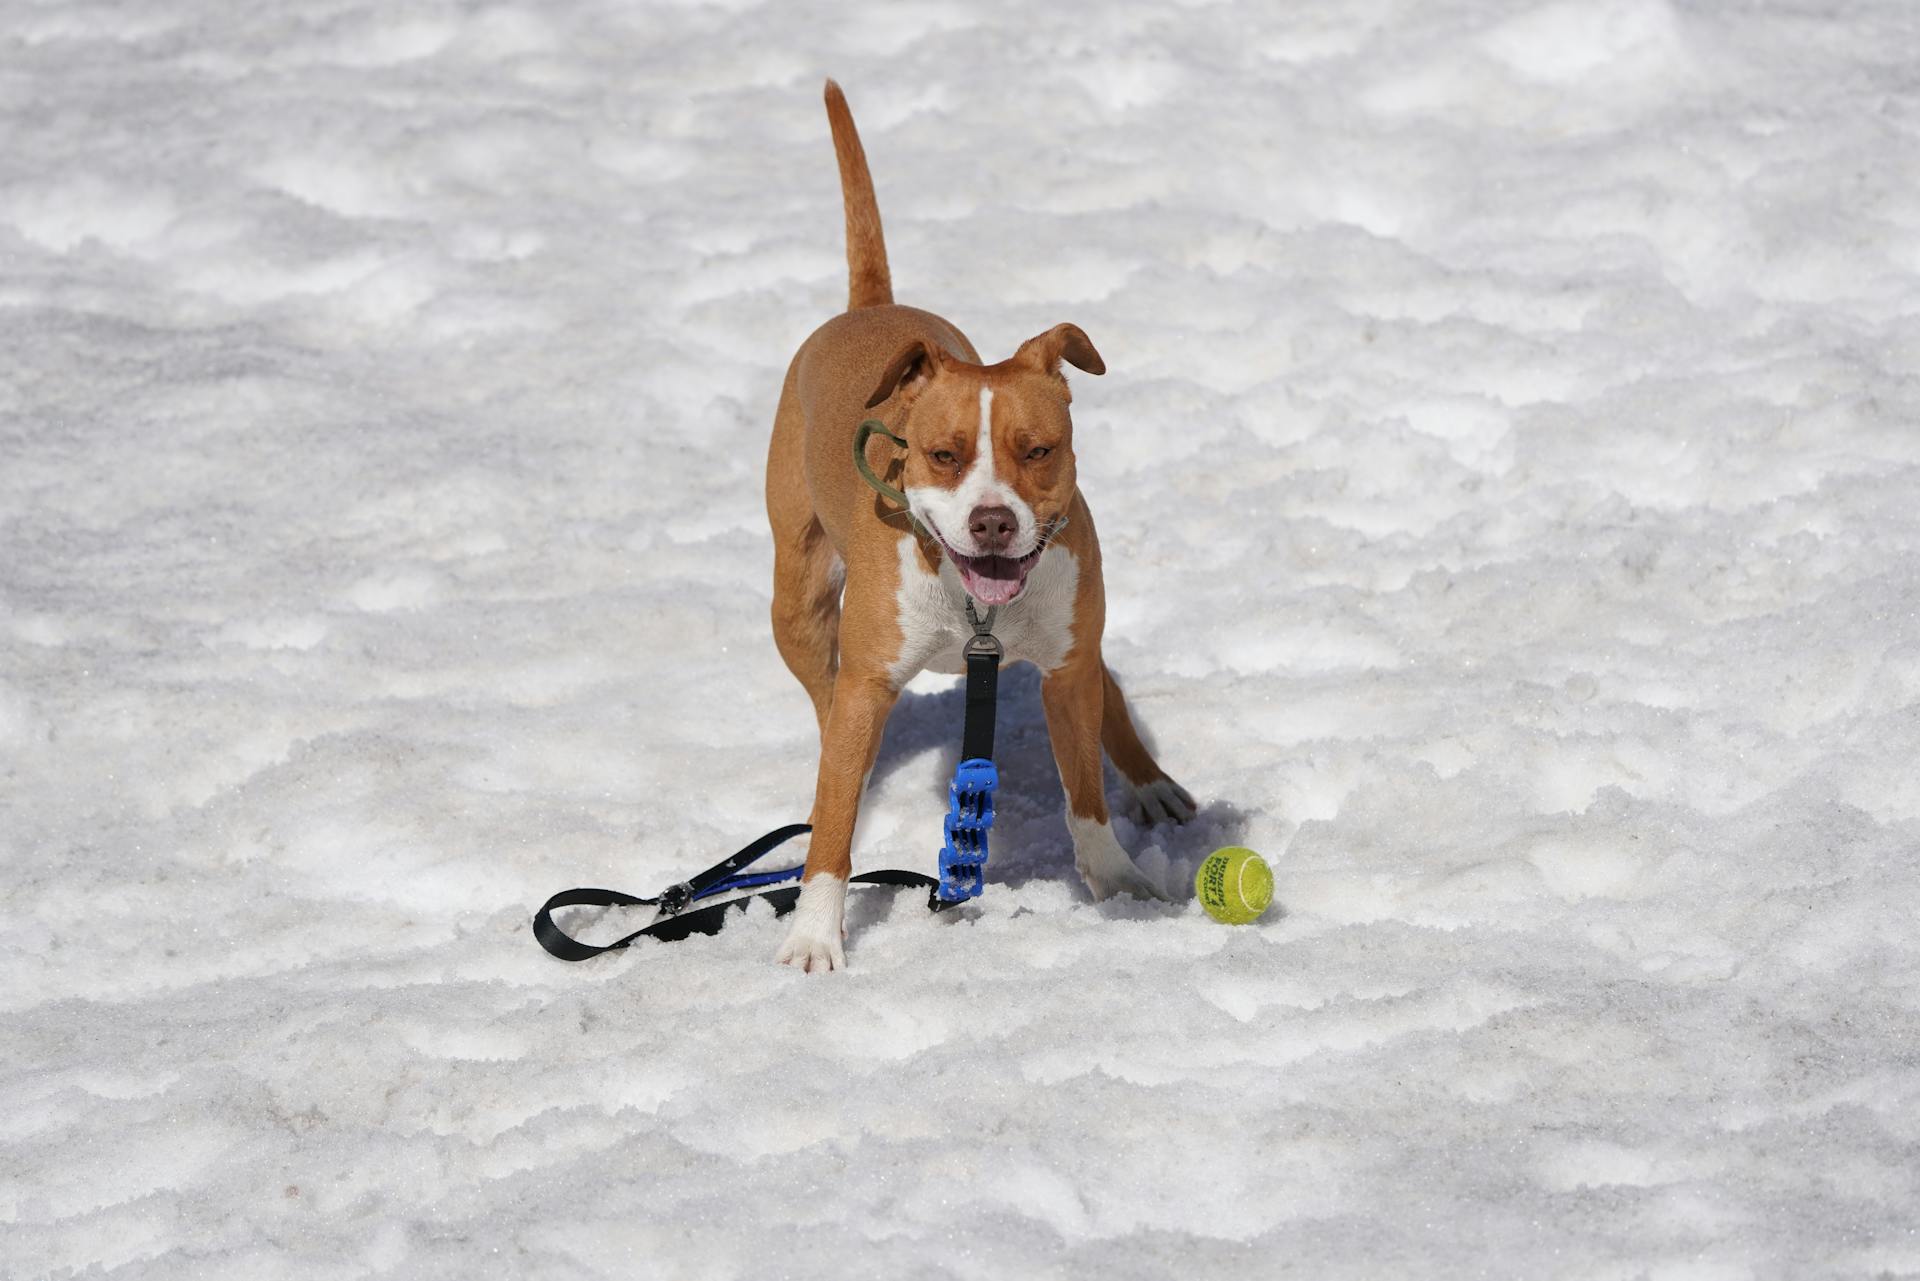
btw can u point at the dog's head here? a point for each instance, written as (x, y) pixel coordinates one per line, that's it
(989, 468)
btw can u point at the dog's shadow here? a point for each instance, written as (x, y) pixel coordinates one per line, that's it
(1029, 840)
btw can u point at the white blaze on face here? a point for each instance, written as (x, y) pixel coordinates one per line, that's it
(949, 512)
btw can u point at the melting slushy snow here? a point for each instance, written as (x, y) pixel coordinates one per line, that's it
(1509, 476)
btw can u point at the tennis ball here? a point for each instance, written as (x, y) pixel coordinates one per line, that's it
(1234, 885)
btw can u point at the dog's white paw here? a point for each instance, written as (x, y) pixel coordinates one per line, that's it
(815, 940)
(1161, 801)
(1104, 883)
(1104, 865)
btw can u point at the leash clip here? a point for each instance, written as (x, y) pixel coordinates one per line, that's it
(674, 899)
(983, 643)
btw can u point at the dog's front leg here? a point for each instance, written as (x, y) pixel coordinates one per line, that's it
(1073, 694)
(861, 702)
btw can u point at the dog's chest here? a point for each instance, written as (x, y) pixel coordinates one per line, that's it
(933, 621)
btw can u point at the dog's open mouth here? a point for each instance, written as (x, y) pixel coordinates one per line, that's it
(994, 580)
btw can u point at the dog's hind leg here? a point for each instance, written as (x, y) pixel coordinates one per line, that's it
(807, 571)
(806, 612)
(1156, 797)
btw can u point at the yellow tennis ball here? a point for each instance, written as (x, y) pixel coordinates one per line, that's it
(1234, 885)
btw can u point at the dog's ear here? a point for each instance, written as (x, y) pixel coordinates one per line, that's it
(911, 369)
(1062, 342)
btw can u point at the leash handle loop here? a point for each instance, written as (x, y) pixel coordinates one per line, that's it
(565, 946)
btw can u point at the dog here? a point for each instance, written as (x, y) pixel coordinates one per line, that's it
(866, 594)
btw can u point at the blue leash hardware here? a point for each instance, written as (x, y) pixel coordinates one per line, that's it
(963, 858)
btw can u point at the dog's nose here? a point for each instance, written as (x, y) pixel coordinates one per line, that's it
(992, 529)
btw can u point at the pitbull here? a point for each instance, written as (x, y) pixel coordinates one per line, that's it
(867, 593)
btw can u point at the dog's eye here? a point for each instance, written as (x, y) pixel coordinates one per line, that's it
(1038, 452)
(944, 457)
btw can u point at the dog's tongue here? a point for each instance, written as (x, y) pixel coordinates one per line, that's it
(992, 580)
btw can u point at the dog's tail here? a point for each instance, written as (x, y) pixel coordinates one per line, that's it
(869, 284)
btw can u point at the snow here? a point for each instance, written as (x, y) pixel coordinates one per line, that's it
(1506, 475)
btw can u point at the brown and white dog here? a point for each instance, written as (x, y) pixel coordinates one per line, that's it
(862, 600)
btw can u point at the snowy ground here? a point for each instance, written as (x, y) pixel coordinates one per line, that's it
(1508, 474)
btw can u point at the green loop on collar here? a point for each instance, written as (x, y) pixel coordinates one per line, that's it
(881, 487)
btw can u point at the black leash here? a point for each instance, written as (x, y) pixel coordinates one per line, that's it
(983, 686)
(961, 860)
(679, 922)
